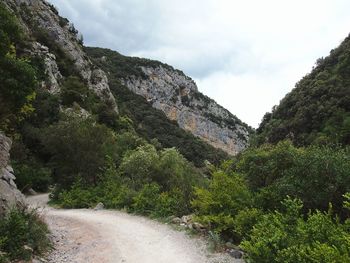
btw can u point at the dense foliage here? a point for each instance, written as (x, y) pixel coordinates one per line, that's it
(318, 109)
(17, 76)
(23, 233)
(284, 203)
(289, 237)
(142, 179)
(78, 147)
(277, 171)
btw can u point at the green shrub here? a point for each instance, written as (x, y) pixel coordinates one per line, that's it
(145, 202)
(79, 148)
(73, 90)
(125, 142)
(166, 205)
(139, 166)
(32, 175)
(288, 237)
(244, 222)
(263, 166)
(276, 171)
(324, 170)
(21, 228)
(217, 206)
(78, 197)
(112, 191)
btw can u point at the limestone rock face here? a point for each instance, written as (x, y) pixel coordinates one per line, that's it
(60, 31)
(10, 196)
(177, 96)
(54, 76)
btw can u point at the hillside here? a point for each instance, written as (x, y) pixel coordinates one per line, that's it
(177, 95)
(318, 109)
(68, 77)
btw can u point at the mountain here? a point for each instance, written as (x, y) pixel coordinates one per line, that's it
(55, 42)
(177, 95)
(317, 110)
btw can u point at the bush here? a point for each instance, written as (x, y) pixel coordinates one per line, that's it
(244, 222)
(263, 166)
(126, 142)
(78, 197)
(145, 202)
(276, 171)
(79, 149)
(139, 166)
(20, 228)
(73, 90)
(288, 237)
(217, 206)
(324, 170)
(112, 191)
(32, 175)
(166, 206)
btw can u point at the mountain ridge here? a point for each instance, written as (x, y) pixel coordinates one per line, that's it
(177, 95)
(58, 43)
(317, 110)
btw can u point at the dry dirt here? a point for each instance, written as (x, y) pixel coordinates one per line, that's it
(108, 236)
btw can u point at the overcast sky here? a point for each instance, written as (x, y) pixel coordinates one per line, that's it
(244, 54)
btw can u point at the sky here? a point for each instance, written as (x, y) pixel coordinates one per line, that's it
(246, 55)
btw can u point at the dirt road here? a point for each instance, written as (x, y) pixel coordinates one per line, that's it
(106, 236)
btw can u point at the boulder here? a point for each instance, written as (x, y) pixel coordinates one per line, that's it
(197, 226)
(99, 206)
(235, 253)
(187, 219)
(176, 220)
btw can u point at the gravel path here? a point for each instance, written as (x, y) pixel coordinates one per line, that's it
(106, 236)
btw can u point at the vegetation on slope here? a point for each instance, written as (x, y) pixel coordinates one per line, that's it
(17, 76)
(23, 233)
(123, 67)
(318, 109)
(281, 203)
(151, 123)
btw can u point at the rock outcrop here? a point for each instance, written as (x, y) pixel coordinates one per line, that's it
(10, 196)
(166, 89)
(41, 16)
(178, 97)
(54, 76)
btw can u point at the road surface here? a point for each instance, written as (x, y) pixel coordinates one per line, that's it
(109, 236)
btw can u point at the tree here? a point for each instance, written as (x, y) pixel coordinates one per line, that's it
(78, 149)
(139, 166)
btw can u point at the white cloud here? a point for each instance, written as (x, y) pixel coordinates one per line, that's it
(245, 54)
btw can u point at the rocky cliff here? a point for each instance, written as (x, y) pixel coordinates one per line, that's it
(10, 196)
(51, 34)
(58, 44)
(178, 97)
